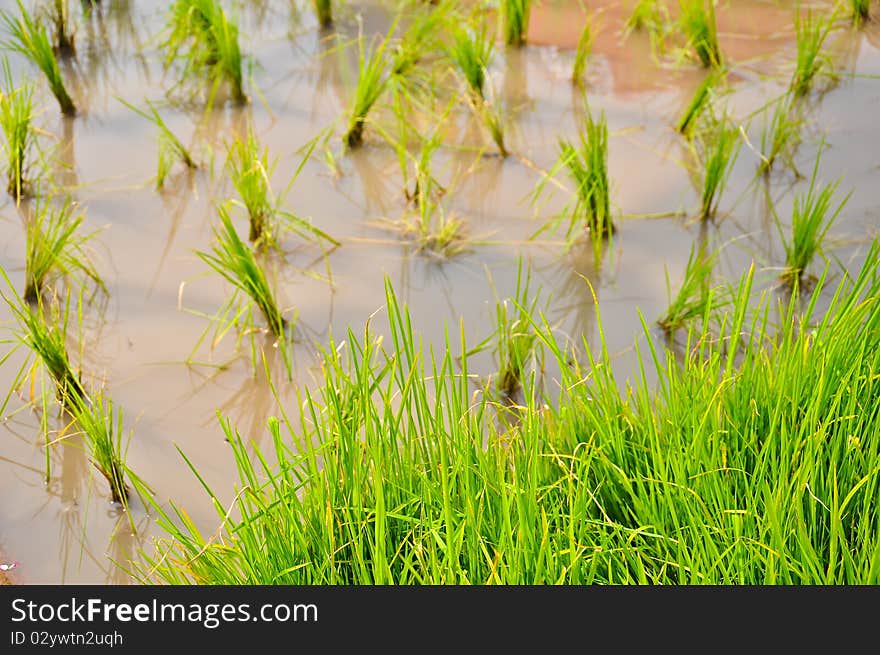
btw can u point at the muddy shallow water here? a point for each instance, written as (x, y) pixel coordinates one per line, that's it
(136, 343)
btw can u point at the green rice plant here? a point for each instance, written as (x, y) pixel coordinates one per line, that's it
(251, 171)
(646, 15)
(205, 40)
(324, 12)
(59, 14)
(420, 39)
(28, 37)
(471, 53)
(54, 248)
(371, 82)
(750, 460)
(697, 22)
(582, 52)
(102, 425)
(492, 115)
(812, 216)
(699, 103)
(586, 165)
(236, 263)
(514, 16)
(861, 10)
(16, 121)
(721, 149)
(516, 339)
(781, 135)
(171, 148)
(812, 30)
(696, 295)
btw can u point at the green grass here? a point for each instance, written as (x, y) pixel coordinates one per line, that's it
(782, 134)
(372, 80)
(812, 30)
(582, 53)
(28, 37)
(813, 214)
(236, 263)
(752, 460)
(16, 121)
(699, 103)
(514, 16)
(695, 296)
(323, 12)
(721, 148)
(55, 248)
(471, 52)
(204, 40)
(171, 148)
(697, 22)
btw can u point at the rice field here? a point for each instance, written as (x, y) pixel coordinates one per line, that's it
(454, 292)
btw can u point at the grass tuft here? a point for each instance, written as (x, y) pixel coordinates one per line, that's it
(812, 30)
(696, 294)
(582, 53)
(471, 52)
(514, 17)
(371, 82)
(697, 22)
(16, 120)
(721, 148)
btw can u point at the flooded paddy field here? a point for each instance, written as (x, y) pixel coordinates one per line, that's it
(149, 340)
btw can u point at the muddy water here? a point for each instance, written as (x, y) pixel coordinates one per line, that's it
(138, 342)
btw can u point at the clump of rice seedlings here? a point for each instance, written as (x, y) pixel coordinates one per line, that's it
(205, 40)
(812, 216)
(516, 336)
(471, 52)
(781, 135)
(28, 37)
(171, 148)
(371, 82)
(55, 248)
(514, 16)
(721, 150)
(812, 30)
(59, 14)
(101, 424)
(492, 115)
(235, 261)
(582, 52)
(646, 15)
(324, 12)
(16, 116)
(695, 295)
(861, 10)
(700, 101)
(418, 40)
(697, 21)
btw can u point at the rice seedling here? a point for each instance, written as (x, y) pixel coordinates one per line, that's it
(419, 40)
(514, 16)
(55, 249)
(586, 164)
(582, 52)
(646, 15)
(699, 103)
(697, 22)
(696, 294)
(102, 425)
(205, 40)
(171, 148)
(371, 82)
(493, 118)
(16, 120)
(28, 37)
(59, 14)
(753, 460)
(324, 12)
(236, 263)
(812, 30)
(720, 155)
(471, 53)
(812, 216)
(861, 10)
(516, 338)
(781, 135)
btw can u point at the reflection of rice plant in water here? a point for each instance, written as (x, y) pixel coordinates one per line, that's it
(171, 148)
(812, 216)
(234, 260)
(515, 20)
(371, 82)
(28, 37)
(697, 21)
(582, 52)
(812, 30)
(324, 12)
(700, 101)
(781, 135)
(695, 295)
(205, 41)
(471, 52)
(55, 249)
(16, 115)
(721, 148)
